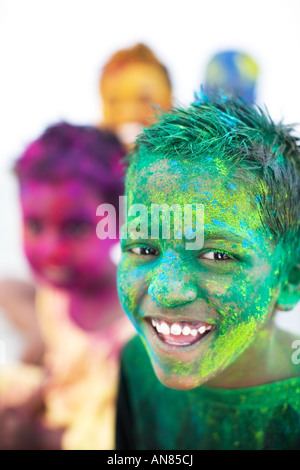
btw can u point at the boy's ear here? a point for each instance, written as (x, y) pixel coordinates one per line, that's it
(290, 291)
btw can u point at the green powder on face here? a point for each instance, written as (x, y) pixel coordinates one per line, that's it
(238, 293)
(226, 159)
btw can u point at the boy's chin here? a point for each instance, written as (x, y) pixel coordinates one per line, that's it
(178, 381)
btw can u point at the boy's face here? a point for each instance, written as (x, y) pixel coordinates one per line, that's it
(60, 241)
(197, 310)
(128, 95)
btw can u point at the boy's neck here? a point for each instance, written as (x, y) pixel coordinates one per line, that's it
(268, 359)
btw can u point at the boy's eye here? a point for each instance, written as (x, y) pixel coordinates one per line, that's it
(35, 226)
(77, 228)
(144, 251)
(216, 256)
(113, 101)
(144, 98)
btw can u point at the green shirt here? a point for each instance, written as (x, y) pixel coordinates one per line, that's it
(151, 416)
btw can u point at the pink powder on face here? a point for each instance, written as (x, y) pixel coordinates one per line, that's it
(60, 239)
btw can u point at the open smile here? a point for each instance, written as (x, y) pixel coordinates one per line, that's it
(182, 333)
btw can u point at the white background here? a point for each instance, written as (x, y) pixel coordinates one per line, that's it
(52, 51)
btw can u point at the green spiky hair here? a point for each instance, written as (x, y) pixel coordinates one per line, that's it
(252, 147)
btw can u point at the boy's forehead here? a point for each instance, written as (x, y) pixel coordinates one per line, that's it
(154, 175)
(75, 190)
(178, 178)
(228, 202)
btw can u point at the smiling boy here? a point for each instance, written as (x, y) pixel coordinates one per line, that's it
(206, 316)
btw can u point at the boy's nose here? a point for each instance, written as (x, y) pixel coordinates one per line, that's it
(54, 249)
(129, 114)
(172, 291)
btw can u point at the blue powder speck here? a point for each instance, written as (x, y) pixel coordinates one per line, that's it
(218, 222)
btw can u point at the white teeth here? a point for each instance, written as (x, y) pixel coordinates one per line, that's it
(186, 330)
(176, 329)
(164, 328)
